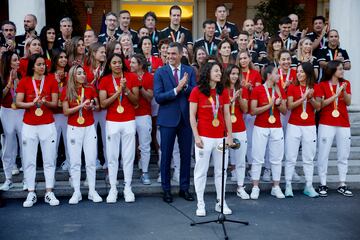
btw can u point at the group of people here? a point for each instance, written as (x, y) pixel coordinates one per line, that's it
(272, 94)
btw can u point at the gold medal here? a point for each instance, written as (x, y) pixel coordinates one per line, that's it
(304, 115)
(13, 106)
(272, 119)
(335, 113)
(80, 120)
(120, 109)
(39, 112)
(233, 118)
(215, 122)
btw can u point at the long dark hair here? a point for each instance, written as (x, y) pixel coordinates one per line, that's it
(204, 80)
(310, 74)
(44, 41)
(31, 64)
(6, 66)
(227, 73)
(330, 70)
(270, 49)
(141, 60)
(231, 58)
(55, 58)
(141, 43)
(108, 61)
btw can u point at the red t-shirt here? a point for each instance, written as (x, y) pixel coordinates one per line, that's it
(155, 63)
(254, 77)
(144, 107)
(291, 77)
(107, 85)
(239, 125)
(205, 114)
(89, 93)
(61, 87)
(261, 120)
(24, 64)
(26, 87)
(325, 114)
(295, 119)
(7, 100)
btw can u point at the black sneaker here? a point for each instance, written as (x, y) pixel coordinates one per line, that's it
(322, 190)
(344, 190)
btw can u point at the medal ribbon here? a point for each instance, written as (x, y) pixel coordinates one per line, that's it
(331, 55)
(116, 88)
(215, 106)
(333, 93)
(233, 103)
(247, 76)
(271, 110)
(207, 48)
(282, 77)
(38, 91)
(305, 101)
(80, 100)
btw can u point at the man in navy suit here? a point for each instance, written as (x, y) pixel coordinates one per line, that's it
(172, 86)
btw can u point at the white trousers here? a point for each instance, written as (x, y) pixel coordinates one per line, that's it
(100, 118)
(12, 124)
(61, 127)
(79, 138)
(249, 123)
(274, 137)
(306, 135)
(31, 136)
(202, 160)
(284, 120)
(143, 129)
(343, 142)
(120, 134)
(237, 157)
(175, 162)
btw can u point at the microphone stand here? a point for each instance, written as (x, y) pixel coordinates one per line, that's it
(221, 219)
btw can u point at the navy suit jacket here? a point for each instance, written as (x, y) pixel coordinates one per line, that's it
(172, 107)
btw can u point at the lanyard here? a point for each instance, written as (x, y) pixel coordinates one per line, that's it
(153, 37)
(97, 73)
(333, 93)
(207, 48)
(270, 97)
(305, 101)
(288, 43)
(215, 106)
(38, 91)
(331, 55)
(233, 103)
(282, 77)
(80, 100)
(173, 36)
(116, 88)
(247, 76)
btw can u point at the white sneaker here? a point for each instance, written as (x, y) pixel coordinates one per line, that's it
(51, 199)
(31, 199)
(310, 192)
(276, 191)
(233, 176)
(240, 192)
(112, 196)
(76, 198)
(200, 211)
(255, 192)
(226, 209)
(159, 178)
(15, 170)
(266, 175)
(65, 165)
(94, 196)
(7, 185)
(289, 191)
(296, 177)
(98, 165)
(128, 195)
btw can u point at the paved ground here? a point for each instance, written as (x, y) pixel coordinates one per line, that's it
(334, 217)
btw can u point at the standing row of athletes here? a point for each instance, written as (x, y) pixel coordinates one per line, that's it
(230, 94)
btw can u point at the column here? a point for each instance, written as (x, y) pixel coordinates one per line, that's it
(345, 17)
(19, 8)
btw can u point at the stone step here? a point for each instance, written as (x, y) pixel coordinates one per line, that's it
(62, 188)
(355, 129)
(354, 168)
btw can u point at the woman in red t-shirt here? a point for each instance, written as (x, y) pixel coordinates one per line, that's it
(38, 95)
(79, 100)
(238, 96)
(94, 69)
(58, 72)
(119, 94)
(301, 128)
(209, 118)
(335, 92)
(145, 46)
(267, 102)
(138, 66)
(11, 117)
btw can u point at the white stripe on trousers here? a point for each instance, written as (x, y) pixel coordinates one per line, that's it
(31, 136)
(143, 129)
(100, 118)
(326, 136)
(12, 124)
(120, 134)
(77, 139)
(61, 126)
(306, 135)
(237, 157)
(202, 160)
(275, 139)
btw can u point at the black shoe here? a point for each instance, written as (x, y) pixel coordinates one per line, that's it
(322, 190)
(344, 190)
(167, 197)
(186, 195)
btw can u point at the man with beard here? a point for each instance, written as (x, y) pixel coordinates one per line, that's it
(30, 22)
(110, 34)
